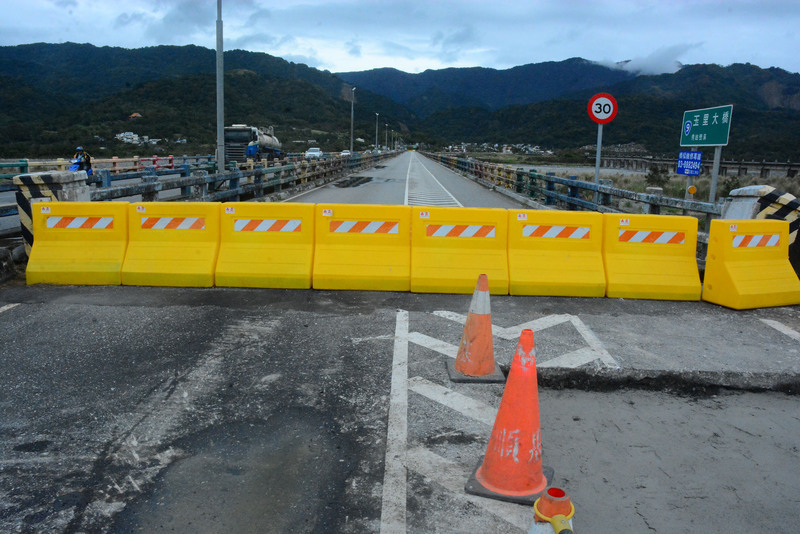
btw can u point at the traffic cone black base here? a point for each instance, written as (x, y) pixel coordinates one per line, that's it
(495, 376)
(474, 487)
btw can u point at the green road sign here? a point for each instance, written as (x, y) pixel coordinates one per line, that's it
(706, 127)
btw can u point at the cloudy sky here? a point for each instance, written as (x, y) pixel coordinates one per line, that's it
(414, 35)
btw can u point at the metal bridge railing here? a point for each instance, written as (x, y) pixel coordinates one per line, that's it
(200, 181)
(571, 193)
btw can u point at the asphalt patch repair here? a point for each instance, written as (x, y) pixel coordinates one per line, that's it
(286, 474)
(354, 181)
(147, 410)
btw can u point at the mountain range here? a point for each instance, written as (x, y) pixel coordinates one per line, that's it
(55, 96)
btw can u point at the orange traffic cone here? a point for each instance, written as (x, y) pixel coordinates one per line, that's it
(512, 466)
(475, 359)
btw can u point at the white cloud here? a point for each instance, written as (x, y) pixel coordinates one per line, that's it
(663, 60)
(414, 35)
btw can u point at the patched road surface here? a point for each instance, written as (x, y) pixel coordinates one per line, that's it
(126, 409)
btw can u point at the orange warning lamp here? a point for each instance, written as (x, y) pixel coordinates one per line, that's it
(556, 508)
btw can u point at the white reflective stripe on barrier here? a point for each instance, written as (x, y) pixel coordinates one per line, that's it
(644, 236)
(756, 240)
(266, 225)
(459, 230)
(567, 232)
(80, 222)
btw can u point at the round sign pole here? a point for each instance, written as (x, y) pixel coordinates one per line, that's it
(597, 155)
(602, 109)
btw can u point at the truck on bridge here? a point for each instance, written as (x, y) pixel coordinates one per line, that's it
(244, 142)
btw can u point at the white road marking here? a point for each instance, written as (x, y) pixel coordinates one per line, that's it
(453, 477)
(577, 358)
(393, 504)
(780, 327)
(408, 174)
(464, 405)
(421, 192)
(594, 342)
(573, 359)
(511, 333)
(8, 307)
(442, 347)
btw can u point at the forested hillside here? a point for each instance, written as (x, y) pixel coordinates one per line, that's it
(490, 88)
(56, 96)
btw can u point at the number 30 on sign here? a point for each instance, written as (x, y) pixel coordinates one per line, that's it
(602, 108)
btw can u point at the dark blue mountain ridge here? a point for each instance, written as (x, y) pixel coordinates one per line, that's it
(492, 88)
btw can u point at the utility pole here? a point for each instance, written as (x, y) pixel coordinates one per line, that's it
(352, 102)
(376, 131)
(386, 135)
(220, 94)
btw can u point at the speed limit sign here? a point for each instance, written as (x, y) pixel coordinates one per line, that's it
(602, 108)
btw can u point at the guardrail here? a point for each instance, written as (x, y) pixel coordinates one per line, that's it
(571, 193)
(21, 167)
(200, 181)
(229, 185)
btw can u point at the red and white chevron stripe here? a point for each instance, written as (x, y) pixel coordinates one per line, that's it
(80, 222)
(747, 241)
(459, 230)
(559, 232)
(364, 227)
(647, 236)
(267, 225)
(173, 223)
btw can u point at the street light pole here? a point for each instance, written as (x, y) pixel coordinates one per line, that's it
(220, 94)
(352, 102)
(376, 131)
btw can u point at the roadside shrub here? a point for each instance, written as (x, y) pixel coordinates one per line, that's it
(656, 177)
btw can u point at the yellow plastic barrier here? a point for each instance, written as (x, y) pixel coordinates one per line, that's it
(265, 245)
(747, 265)
(556, 253)
(451, 247)
(79, 243)
(362, 247)
(651, 257)
(172, 244)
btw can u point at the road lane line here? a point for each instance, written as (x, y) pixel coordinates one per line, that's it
(408, 174)
(440, 185)
(536, 325)
(442, 347)
(571, 360)
(512, 333)
(594, 342)
(454, 400)
(453, 476)
(780, 327)
(8, 307)
(393, 503)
